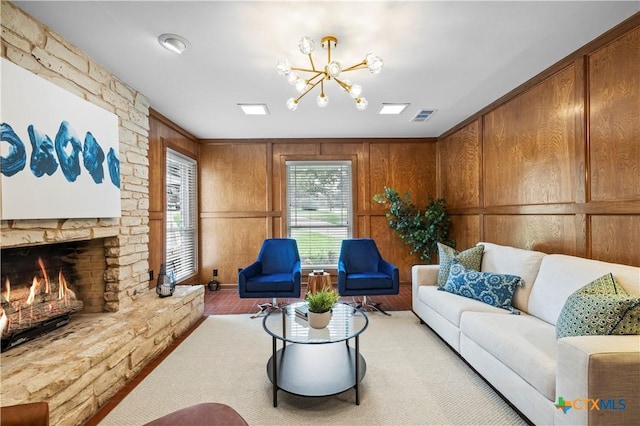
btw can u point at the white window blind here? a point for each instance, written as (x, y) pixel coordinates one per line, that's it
(181, 255)
(319, 213)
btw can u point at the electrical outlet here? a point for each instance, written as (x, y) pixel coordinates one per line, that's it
(215, 272)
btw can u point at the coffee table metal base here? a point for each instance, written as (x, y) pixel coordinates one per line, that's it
(316, 370)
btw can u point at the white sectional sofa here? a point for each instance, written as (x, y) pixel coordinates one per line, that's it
(520, 356)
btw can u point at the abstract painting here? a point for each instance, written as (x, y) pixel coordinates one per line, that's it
(59, 153)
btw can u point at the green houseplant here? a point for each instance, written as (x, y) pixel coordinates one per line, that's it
(422, 230)
(320, 304)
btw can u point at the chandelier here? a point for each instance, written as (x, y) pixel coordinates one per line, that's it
(331, 71)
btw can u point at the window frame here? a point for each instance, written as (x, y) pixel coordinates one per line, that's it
(193, 264)
(351, 225)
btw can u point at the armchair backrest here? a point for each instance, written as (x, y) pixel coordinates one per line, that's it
(278, 255)
(360, 255)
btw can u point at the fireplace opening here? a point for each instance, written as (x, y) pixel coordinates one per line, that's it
(43, 286)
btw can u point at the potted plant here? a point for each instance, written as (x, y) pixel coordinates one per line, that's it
(421, 229)
(320, 304)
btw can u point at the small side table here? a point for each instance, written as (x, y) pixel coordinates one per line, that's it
(317, 282)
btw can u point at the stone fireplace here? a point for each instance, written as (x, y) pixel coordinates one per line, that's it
(118, 328)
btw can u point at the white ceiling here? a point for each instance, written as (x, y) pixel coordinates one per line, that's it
(455, 57)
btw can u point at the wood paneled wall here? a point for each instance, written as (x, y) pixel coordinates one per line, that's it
(555, 165)
(242, 193)
(162, 134)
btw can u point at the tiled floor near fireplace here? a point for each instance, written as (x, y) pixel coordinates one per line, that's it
(224, 302)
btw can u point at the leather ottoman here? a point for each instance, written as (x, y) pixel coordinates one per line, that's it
(205, 414)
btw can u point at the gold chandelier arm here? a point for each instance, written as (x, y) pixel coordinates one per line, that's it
(342, 84)
(313, 67)
(310, 89)
(306, 70)
(320, 73)
(359, 66)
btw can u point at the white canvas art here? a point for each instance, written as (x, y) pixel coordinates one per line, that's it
(59, 153)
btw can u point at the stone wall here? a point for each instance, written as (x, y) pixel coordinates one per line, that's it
(33, 46)
(79, 367)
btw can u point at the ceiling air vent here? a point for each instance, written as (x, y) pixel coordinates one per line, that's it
(423, 115)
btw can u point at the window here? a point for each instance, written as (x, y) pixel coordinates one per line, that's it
(319, 213)
(181, 255)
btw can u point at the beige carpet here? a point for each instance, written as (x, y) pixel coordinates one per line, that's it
(412, 379)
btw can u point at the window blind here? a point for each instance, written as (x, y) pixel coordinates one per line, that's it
(181, 255)
(319, 209)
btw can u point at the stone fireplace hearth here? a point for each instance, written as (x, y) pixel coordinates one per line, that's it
(79, 367)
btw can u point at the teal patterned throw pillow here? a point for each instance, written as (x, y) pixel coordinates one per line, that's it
(470, 259)
(487, 287)
(602, 307)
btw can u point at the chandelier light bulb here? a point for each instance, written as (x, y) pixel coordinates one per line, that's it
(292, 104)
(306, 45)
(301, 85)
(374, 63)
(355, 90)
(322, 100)
(293, 77)
(361, 104)
(334, 69)
(283, 67)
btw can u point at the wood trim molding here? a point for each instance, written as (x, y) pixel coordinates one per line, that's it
(318, 141)
(630, 207)
(164, 120)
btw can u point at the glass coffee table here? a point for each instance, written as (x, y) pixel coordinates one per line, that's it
(316, 362)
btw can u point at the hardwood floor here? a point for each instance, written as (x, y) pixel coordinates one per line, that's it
(226, 301)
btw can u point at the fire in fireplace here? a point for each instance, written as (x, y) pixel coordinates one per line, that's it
(36, 299)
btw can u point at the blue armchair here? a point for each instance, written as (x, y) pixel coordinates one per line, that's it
(275, 273)
(363, 272)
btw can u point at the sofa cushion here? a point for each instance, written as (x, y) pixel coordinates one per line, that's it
(599, 308)
(513, 261)
(488, 287)
(470, 258)
(451, 306)
(523, 343)
(561, 275)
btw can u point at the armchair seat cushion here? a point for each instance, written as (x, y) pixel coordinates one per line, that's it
(277, 282)
(368, 280)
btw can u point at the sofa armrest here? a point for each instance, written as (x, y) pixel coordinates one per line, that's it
(423, 275)
(604, 368)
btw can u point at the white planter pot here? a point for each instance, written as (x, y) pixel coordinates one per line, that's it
(319, 320)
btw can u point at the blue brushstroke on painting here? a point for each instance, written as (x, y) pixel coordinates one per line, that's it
(17, 157)
(114, 168)
(69, 163)
(43, 160)
(93, 157)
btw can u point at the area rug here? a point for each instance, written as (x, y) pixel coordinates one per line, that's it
(412, 378)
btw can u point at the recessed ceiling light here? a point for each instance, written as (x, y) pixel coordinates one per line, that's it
(254, 109)
(392, 109)
(174, 43)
